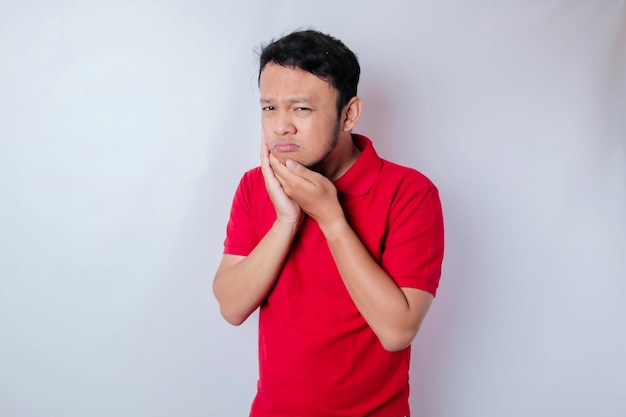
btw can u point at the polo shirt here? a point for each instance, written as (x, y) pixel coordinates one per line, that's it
(317, 355)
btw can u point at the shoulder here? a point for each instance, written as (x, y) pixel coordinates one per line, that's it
(253, 174)
(251, 179)
(251, 188)
(404, 177)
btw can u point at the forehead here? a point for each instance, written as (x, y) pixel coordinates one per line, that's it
(277, 81)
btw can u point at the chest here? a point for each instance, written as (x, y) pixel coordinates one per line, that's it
(309, 286)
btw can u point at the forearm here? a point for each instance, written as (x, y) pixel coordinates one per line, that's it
(241, 287)
(384, 306)
(393, 313)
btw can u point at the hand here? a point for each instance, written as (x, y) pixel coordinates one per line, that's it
(315, 194)
(286, 209)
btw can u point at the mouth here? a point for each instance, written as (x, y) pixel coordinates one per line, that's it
(285, 146)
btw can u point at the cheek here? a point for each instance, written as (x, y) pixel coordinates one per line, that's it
(320, 127)
(304, 125)
(266, 124)
(275, 154)
(281, 157)
(266, 131)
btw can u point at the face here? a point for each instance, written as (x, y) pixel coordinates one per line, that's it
(299, 116)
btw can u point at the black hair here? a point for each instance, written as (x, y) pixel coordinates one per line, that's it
(320, 54)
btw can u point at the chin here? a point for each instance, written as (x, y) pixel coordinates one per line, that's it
(282, 157)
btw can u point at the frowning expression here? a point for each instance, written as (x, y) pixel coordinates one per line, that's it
(299, 115)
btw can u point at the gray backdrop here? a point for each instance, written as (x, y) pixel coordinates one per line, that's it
(126, 125)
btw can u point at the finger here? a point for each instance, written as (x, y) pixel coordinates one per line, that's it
(288, 180)
(285, 183)
(277, 167)
(302, 171)
(266, 169)
(265, 163)
(278, 170)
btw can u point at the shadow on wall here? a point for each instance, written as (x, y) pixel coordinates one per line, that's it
(449, 316)
(396, 132)
(377, 119)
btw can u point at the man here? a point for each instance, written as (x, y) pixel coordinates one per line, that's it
(340, 249)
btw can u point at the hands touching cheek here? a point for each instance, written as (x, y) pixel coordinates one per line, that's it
(315, 194)
(287, 210)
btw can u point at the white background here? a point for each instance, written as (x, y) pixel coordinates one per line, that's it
(126, 125)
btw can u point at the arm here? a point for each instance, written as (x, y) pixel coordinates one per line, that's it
(242, 283)
(394, 314)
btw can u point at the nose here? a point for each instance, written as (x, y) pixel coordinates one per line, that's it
(283, 125)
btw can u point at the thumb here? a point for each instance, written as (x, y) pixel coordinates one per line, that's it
(291, 164)
(301, 171)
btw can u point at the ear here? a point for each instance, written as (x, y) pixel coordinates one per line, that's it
(351, 114)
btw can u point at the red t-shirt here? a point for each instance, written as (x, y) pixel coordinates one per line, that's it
(317, 355)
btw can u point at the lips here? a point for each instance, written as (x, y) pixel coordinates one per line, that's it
(285, 146)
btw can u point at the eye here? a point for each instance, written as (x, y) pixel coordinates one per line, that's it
(268, 108)
(303, 109)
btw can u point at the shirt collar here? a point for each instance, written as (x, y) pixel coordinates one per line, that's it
(361, 175)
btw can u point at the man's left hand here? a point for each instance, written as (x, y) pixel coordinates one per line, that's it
(313, 192)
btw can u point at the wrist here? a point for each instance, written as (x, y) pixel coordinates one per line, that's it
(287, 223)
(334, 227)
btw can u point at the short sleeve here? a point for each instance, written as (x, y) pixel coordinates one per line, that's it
(241, 233)
(414, 246)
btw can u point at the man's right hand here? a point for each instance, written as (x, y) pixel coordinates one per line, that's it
(286, 209)
(242, 283)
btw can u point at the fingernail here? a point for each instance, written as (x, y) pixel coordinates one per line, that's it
(290, 164)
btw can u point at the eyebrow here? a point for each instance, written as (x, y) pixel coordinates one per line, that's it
(297, 99)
